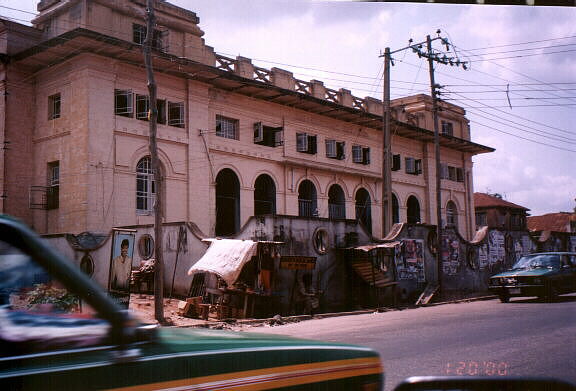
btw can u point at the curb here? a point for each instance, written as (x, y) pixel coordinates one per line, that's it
(299, 318)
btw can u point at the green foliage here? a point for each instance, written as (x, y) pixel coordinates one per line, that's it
(61, 299)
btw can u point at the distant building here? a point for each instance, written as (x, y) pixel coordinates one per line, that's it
(552, 222)
(494, 212)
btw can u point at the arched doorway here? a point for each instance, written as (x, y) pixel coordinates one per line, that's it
(264, 196)
(413, 212)
(363, 208)
(307, 204)
(336, 203)
(451, 215)
(227, 203)
(395, 210)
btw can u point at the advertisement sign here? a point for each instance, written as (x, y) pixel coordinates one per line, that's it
(121, 267)
(297, 262)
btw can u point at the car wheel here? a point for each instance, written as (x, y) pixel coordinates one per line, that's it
(504, 298)
(551, 294)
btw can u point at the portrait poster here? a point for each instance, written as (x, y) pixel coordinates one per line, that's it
(121, 267)
(411, 265)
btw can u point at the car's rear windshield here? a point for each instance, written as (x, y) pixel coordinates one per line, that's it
(538, 261)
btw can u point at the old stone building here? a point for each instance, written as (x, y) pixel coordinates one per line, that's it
(235, 140)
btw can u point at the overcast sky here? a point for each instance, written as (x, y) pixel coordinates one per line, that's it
(519, 93)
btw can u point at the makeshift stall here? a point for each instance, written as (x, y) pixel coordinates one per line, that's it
(240, 277)
(375, 269)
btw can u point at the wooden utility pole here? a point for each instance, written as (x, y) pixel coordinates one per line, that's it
(386, 151)
(155, 161)
(437, 156)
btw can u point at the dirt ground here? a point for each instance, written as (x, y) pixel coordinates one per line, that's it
(143, 308)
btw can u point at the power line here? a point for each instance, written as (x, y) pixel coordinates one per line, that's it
(525, 138)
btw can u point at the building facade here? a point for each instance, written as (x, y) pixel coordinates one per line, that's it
(235, 140)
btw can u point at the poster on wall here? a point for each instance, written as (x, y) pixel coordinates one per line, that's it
(410, 260)
(121, 267)
(483, 256)
(496, 250)
(450, 254)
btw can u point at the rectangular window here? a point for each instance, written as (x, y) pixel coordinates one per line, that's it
(139, 36)
(443, 171)
(142, 107)
(161, 107)
(53, 195)
(459, 174)
(306, 143)
(176, 114)
(413, 166)
(123, 103)
(335, 149)
(447, 128)
(267, 135)
(54, 107)
(452, 173)
(396, 162)
(227, 127)
(360, 154)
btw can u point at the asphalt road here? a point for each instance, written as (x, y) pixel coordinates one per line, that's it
(523, 337)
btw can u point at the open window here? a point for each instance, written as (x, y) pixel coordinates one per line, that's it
(53, 194)
(54, 106)
(335, 149)
(360, 155)
(176, 114)
(413, 166)
(123, 103)
(142, 107)
(396, 162)
(139, 36)
(447, 128)
(267, 135)
(227, 127)
(306, 143)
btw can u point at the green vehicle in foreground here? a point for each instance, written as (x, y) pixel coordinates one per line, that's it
(545, 275)
(60, 331)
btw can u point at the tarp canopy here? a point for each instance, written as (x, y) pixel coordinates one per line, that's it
(225, 258)
(371, 247)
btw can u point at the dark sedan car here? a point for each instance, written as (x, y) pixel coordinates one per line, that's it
(545, 275)
(60, 331)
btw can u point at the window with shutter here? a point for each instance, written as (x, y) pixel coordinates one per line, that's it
(366, 155)
(396, 162)
(301, 142)
(357, 154)
(410, 164)
(331, 149)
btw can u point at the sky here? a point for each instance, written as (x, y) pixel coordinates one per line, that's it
(519, 90)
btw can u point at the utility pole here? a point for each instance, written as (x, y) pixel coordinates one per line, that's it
(155, 161)
(386, 187)
(437, 157)
(386, 151)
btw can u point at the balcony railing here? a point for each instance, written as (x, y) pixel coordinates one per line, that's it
(336, 211)
(307, 208)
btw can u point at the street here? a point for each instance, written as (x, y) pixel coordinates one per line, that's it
(522, 338)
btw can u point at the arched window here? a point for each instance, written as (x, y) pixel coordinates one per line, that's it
(307, 204)
(227, 203)
(413, 210)
(145, 186)
(395, 210)
(336, 203)
(264, 196)
(451, 215)
(363, 208)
